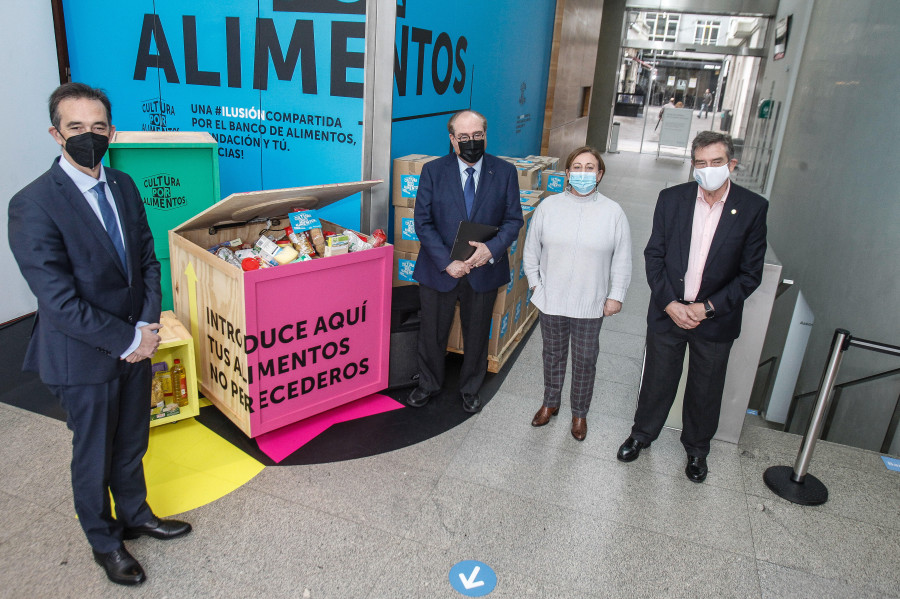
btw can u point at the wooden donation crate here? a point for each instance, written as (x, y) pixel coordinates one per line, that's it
(281, 344)
(177, 175)
(177, 343)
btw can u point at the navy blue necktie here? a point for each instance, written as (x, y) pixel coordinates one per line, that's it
(469, 190)
(109, 221)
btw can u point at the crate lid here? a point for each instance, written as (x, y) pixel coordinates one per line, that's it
(164, 138)
(241, 207)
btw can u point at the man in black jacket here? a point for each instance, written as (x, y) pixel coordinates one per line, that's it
(704, 258)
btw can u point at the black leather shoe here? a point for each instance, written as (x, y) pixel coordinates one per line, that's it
(696, 469)
(158, 529)
(631, 449)
(471, 403)
(418, 397)
(120, 566)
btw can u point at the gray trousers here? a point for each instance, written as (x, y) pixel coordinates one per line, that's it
(584, 335)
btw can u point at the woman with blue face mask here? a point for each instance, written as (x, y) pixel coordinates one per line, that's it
(577, 259)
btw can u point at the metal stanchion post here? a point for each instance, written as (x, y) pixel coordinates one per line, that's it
(796, 484)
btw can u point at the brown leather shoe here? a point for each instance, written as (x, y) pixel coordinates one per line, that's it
(579, 428)
(543, 415)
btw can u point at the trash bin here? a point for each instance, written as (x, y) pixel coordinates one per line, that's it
(725, 123)
(614, 138)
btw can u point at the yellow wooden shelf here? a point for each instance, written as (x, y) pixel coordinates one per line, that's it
(177, 343)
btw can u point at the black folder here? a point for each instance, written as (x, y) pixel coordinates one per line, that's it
(469, 231)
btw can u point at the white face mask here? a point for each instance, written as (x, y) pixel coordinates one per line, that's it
(711, 178)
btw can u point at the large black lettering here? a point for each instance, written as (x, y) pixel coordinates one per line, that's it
(421, 37)
(266, 368)
(233, 50)
(152, 31)
(192, 73)
(441, 83)
(461, 44)
(400, 61)
(302, 46)
(342, 59)
(343, 7)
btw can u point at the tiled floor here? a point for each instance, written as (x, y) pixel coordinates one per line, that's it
(553, 517)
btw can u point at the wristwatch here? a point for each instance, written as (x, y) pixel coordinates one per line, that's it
(710, 311)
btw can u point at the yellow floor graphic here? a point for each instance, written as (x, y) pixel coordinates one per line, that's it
(187, 465)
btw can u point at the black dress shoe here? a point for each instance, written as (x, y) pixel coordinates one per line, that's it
(631, 449)
(471, 403)
(158, 529)
(696, 469)
(120, 566)
(418, 397)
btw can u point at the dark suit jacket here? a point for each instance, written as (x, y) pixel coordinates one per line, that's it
(733, 268)
(441, 206)
(87, 304)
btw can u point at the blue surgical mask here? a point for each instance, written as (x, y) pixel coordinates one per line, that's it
(583, 182)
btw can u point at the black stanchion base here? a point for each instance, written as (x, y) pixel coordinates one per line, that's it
(810, 492)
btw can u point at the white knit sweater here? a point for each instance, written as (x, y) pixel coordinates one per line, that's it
(577, 254)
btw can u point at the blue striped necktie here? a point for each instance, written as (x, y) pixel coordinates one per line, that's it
(109, 221)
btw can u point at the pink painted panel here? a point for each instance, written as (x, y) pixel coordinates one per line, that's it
(317, 335)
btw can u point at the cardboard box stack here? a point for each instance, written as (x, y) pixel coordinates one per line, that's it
(406, 243)
(512, 307)
(547, 163)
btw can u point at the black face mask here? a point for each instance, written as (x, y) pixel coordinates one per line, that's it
(471, 151)
(87, 149)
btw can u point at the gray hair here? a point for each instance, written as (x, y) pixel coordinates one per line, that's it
(707, 138)
(458, 114)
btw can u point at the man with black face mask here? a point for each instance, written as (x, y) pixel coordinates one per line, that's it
(465, 185)
(81, 239)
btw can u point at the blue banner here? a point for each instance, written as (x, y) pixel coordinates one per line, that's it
(491, 57)
(278, 83)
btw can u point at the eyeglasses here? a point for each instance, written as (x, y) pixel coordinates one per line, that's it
(477, 136)
(716, 162)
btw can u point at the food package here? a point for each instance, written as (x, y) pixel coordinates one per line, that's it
(308, 220)
(357, 242)
(301, 242)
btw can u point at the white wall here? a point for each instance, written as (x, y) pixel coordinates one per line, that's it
(30, 74)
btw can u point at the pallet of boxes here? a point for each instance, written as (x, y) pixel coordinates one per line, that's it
(513, 314)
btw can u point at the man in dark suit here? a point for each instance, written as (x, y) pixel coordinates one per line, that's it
(80, 236)
(704, 258)
(466, 185)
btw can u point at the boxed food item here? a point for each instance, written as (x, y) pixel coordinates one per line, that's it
(529, 175)
(406, 178)
(405, 238)
(500, 332)
(554, 181)
(506, 293)
(404, 265)
(531, 197)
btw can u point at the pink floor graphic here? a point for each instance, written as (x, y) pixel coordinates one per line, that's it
(284, 441)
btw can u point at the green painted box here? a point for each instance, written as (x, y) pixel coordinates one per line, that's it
(177, 175)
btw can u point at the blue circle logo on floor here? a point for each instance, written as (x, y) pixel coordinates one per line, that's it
(472, 578)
